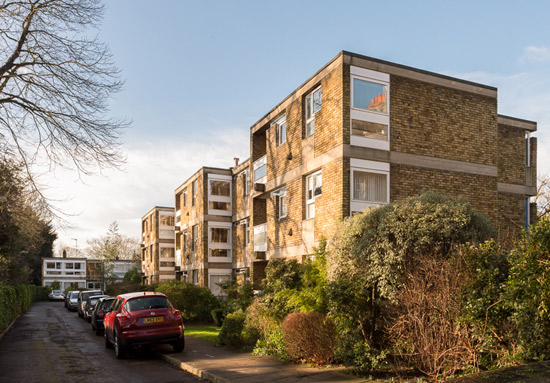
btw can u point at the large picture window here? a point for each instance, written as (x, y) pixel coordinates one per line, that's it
(220, 188)
(219, 235)
(371, 96)
(370, 187)
(313, 105)
(314, 183)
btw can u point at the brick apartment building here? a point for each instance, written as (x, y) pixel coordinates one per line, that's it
(359, 133)
(157, 247)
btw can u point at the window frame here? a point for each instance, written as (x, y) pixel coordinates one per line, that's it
(246, 181)
(220, 245)
(366, 166)
(280, 130)
(195, 192)
(310, 120)
(282, 202)
(184, 197)
(194, 238)
(311, 201)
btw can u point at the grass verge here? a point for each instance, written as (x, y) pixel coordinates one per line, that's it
(203, 332)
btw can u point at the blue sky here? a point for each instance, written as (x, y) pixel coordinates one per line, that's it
(200, 73)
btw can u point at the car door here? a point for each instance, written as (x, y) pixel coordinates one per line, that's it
(108, 321)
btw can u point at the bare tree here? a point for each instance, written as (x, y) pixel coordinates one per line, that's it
(55, 85)
(542, 199)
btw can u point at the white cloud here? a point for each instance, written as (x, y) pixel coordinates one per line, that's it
(153, 171)
(532, 53)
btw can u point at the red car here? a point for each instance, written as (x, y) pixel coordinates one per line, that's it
(142, 318)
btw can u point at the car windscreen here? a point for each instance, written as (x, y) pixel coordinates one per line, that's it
(74, 295)
(106, 304)
(89, 294)
(146, 303)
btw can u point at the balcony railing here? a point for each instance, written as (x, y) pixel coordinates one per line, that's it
(260, 237)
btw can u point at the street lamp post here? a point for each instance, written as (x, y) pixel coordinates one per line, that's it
(76, 245)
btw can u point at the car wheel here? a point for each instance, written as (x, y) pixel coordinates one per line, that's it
(107, 343)
(179, 345)
(119, 349)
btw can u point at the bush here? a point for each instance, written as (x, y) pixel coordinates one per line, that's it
(195, 303)
(232, 329)
(309, 337)
(218, 316)
(14, 301)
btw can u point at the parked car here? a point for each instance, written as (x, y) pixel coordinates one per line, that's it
(67, 294)
(100, 309)
(143, 318)
(89, 306)
(73, 300)
(82, 296)
(56, 295)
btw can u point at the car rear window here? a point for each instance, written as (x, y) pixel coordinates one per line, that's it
(107, 304)
(74, 294)
(89, 294)
(146, 303)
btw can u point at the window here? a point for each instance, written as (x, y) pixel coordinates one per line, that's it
(370, 187)
(196, 277)
(219, 252)
(166, 252)
(184, 241)
(280, 130)
(246, 234)
(50, 265)
(218, 205)
(313, 105)
(77, 266)
(185, 197)
(219, 235)
(527, 149)
(246, 182)
(370, 96)
(281, 202)
(195, 191)
(69, 265)
(195, 237)
(166, 220)
(220, 188)
(260, 170)
(314, 184)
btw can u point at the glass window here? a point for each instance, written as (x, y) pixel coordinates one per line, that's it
(185, 241)
(195, 237)
(369, 129)
(50, 265)
(195, 191)
(370, 96)
(216, 205)
(166, 220)
(219, 235)
(185, 197)
(246, 234)
(219, 252)
(77, 266)
(260, 171)
(166, 252)
(282, 202)
(246, 182)
(69, 265)
(146, 303)
(314, 185)
(220, 188)
(313, 105)
(196, 277)
(370, 187)
(280, 127)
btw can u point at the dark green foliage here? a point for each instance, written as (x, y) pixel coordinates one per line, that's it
(238, 295)
(15, 301)
(528, 292)
(194, 302)
(132, 276)
(232, 329)
(281, 274)
(218, 315)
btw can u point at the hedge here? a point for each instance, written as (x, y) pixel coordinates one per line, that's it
(14, 301)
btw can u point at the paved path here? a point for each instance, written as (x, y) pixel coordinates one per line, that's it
(222, 365)
(49, 344)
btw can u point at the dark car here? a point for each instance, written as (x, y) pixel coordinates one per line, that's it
(82, 296)
(100, 309)
(89, 306)
(143, 318)
(67, 294)
(73, 300)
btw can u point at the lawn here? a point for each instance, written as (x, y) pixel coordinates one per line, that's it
(203, 332)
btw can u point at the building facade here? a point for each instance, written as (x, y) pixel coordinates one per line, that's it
(359, 133)
(158, 262)
(67, 271)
